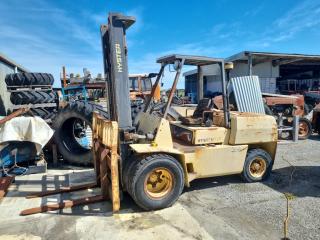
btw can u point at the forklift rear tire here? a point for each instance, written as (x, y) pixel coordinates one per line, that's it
(257, 166)
(156, 181)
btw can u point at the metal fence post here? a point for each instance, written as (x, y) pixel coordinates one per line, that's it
(295, 130)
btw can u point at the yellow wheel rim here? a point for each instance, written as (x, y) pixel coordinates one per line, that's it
(258, 167)
(158, 183)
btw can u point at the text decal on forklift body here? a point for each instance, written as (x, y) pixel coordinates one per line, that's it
(119, 58)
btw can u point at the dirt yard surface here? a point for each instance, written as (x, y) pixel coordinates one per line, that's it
(215, 208)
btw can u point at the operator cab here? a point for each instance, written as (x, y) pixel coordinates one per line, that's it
(202, 125)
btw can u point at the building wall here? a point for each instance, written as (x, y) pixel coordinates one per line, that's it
(213, 69)
(267, 73)
(263, 70)
(211, 85)
(190, 86)
(5, 102)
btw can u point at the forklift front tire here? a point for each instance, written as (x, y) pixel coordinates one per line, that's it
(156, 181)
(257, 166)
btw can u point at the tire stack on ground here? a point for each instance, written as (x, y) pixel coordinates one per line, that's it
(72, 124)
(35, 91)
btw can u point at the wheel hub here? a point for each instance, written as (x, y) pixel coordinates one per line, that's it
(258, 167)
(158, 183)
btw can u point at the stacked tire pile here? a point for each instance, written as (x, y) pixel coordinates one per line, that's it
(72, 123)
(34, 90)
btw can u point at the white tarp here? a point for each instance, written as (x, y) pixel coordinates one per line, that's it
(31, 129)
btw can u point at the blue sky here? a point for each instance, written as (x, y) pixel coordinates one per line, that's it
(44, 35)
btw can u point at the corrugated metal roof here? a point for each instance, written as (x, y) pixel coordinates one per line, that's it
(244, 56)
(248, 94)
(139, 75)
(191, 72)
(189, 59)
(10, 62)
(207, 70)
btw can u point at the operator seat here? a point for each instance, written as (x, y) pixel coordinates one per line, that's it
(196, 119)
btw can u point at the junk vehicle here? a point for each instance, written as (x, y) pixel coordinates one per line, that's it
(283, 108)
(140, 89)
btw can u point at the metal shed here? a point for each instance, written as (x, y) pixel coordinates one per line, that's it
(7, 66)
(211, 82)
(285, 73)
(279, 72)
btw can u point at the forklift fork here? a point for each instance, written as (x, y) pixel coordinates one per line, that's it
(106, 159)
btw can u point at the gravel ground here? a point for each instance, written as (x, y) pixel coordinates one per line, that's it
(215, 208)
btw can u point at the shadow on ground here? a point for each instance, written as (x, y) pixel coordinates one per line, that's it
(301, 181)
(58, 181)
(205, 183)
(314, 137)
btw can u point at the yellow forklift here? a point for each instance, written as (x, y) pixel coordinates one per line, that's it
(157, 158)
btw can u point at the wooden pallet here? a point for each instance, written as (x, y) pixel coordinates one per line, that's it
(105, 152)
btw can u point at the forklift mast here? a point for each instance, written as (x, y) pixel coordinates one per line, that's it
(115, 61)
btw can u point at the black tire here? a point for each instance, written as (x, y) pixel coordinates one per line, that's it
(45, 113)
(9, 79)
(32, 97)
(254, 156)
(127, 168)
(26, 79)
(138, 176)
(65, 135)
(305, 129)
